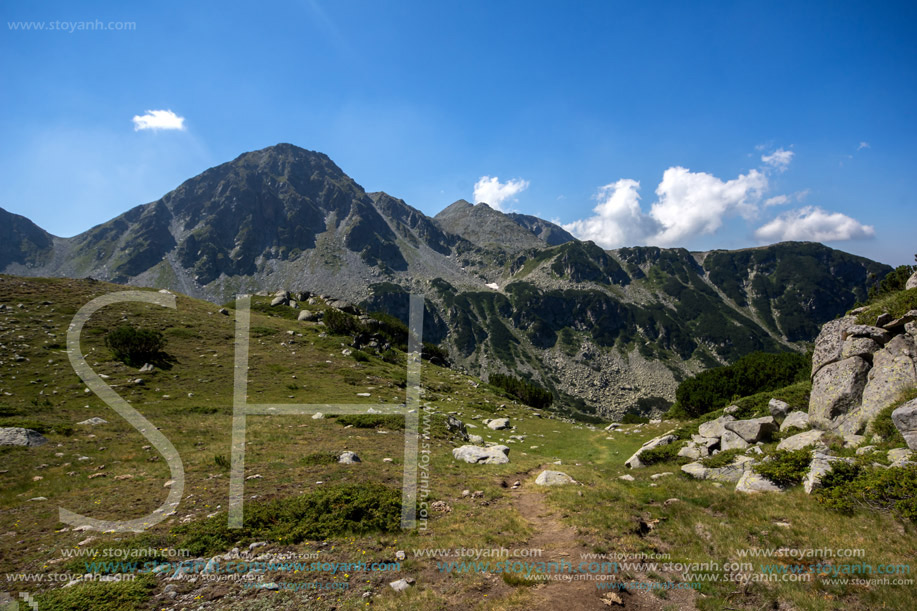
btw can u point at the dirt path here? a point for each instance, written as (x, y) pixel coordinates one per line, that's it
(560, 543)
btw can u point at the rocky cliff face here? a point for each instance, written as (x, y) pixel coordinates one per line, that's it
(859, 370)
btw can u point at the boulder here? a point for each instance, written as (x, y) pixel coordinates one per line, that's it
(829, 343)
(905, 419)
(93, 421)
(147, 368)
(711, 443)
(17, 436)
(493, 455)
(729, 474)
(795, 420)
(778, 408)
(899, 456)
(754, 430)
(694, 451)
(875, 333)
(821, 464)
(456, 426)
(554, 478)
(732, 441)
(308, 315)
(348, 458)
(894, 371)
(896, 324)
(859, 346)
(837, 389)
(498, 424)
(911, 282)
(279, 300)
(751, 482)
(853, 441)
(715, 428)
(797, 442)
(730, 409)
(475, 439)
(634, 461)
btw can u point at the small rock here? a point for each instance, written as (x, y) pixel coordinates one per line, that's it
(627, 478)
(400, 586)
(348, 458)
(147, 368)
(553, 478)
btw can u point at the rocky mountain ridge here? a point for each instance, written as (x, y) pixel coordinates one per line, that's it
(606, 331)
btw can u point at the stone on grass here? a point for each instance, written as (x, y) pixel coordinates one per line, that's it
(751, 482)
(754, 430)
(553, 478)
(797, 442)
(18, 436)
(778, 408)
(348, 458)
(732, 441)
(493, 455)
(498, 424)
(715, 428)
(795, 420)
(905, 419)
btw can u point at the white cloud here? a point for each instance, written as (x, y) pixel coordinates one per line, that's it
(695, 203)
(813, 224)
(779, 159)
(689, 204)
(491, 191)
(863, 145)
(618, 219)
(159, 119)
(777, 200)
(780, 200)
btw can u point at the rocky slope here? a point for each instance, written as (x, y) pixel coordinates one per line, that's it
(606, 331)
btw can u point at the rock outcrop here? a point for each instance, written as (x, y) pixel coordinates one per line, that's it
(905, 419)
(17, 436)
(492, 455)
(859, 370)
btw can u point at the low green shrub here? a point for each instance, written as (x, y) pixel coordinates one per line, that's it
(847, 488)
(663, 454)
(721, 459)
(134, 347)
(786, 467)
(319, 458)
(100, 596)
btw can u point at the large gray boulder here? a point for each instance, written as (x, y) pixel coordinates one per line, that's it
(822, 462)
(837, 389)
(694, 451)
(894, 370)
(634, 461)
(911, 282)
(732, 441)
(754, 430)
(17, 436)
(731, 473)
(797, 442)
(829, 343)
(751, 482)
(498, 424)
(554, 478)
(905, 419)
(493, 455)
(859, 346)
(876, 334)
(778, 408)
(715, 428)
(795, 420)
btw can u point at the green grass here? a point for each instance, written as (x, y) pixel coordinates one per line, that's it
(897, 304)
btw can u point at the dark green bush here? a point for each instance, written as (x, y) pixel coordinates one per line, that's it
(319, 458)
(786, 467)
(341, 323)
(893, 282)
(100, 596)
(847, 488)
(326, 512)
(528, 393)
(632, 418)
(751, 374)
(135, 347)
(371, 421)
(721, 459)
(661, 454)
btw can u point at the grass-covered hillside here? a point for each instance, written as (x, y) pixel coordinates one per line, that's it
(675, 534)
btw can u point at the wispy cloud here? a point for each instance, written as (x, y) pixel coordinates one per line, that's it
(779, 159)
(863, 145)
(158, 119)
(814, 224)
(491, 191)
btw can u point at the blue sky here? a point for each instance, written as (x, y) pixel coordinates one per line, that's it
(701, 124)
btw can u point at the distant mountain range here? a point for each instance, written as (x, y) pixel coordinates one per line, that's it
(606, 331)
